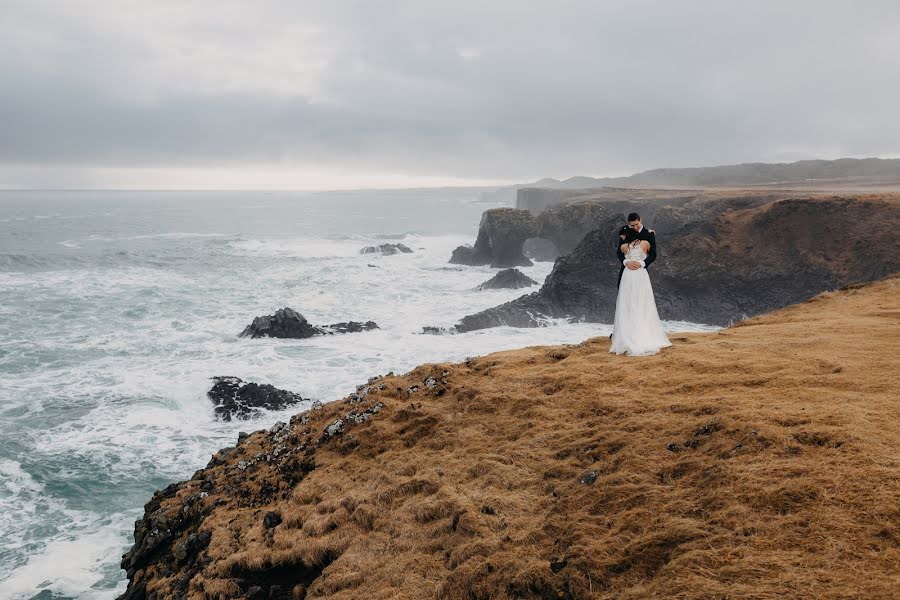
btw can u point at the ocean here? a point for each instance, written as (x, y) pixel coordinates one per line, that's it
(116, 309)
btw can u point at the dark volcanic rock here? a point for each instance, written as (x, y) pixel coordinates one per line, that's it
(386, 249)
(172, 539)
(349, 327)
(285, 323)
(666, 211)
(152, 535)
(525, 311)
(566, 225)
(271, 519)
(237, 399)
(178, 543)
(467, 255)
(508, 279)
(430, 330)
(288, 323)
(721, 261)
(500, 236)
(585, 289)
(187, 550)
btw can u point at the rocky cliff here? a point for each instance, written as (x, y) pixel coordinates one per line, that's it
(756, 462)
(501, 233)
(721, 257)
(506, 235)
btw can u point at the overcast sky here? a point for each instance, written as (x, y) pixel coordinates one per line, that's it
(338, 94)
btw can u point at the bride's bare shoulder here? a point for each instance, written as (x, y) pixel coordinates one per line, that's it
(645, 245)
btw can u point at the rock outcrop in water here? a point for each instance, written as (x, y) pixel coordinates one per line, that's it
(237, 399)
(288, 323)
(720, 259)
(499, 243)
(743, 468)
(386, 249)
(348, 327)
(508, 279)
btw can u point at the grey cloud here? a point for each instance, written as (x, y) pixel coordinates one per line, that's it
(476, 89)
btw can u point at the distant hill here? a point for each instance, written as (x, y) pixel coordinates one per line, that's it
(844, 172)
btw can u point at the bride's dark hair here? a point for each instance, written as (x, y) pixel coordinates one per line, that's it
(630, 235)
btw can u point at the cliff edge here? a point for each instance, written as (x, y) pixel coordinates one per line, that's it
(759, 461)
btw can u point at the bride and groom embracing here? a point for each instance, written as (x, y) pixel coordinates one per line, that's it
(637, 330)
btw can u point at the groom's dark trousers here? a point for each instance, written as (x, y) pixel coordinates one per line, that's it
(645, 234)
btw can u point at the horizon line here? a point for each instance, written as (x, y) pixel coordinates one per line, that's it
(318, 190)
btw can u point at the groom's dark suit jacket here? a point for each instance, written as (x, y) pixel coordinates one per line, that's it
(644, 234)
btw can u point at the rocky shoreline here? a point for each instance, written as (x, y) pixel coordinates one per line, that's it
(723, 256)
(549, 472)
(374, 494)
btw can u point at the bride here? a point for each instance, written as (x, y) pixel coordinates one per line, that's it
(637, 330)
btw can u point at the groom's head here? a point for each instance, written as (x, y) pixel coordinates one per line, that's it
(634, 222)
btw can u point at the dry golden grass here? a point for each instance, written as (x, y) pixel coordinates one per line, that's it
(762, 461)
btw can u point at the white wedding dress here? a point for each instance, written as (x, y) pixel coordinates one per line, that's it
(637, 329)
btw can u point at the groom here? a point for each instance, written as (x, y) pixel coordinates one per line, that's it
(640, 232)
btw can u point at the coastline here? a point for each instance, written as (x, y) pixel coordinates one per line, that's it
(98, 419)
(734, 463)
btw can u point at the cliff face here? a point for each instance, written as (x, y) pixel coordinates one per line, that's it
(501, 234)
(721, 259)
(567, 225)
(759, 461)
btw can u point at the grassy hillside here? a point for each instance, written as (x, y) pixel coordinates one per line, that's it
(762, 461)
